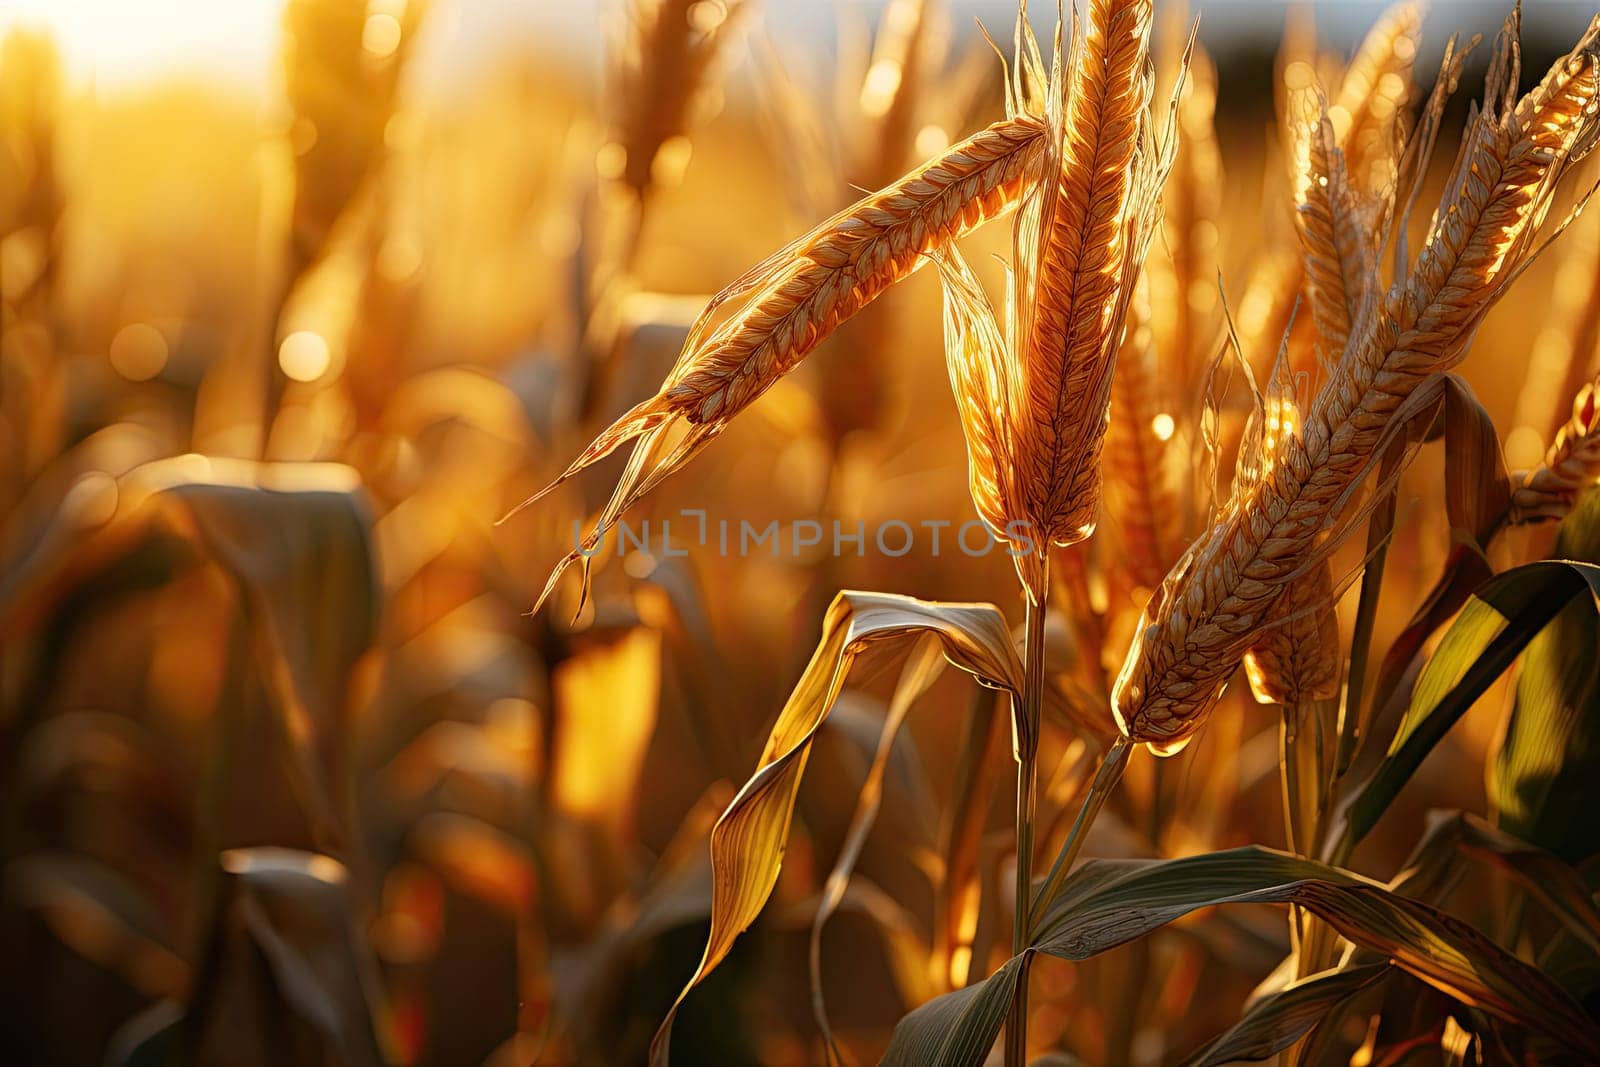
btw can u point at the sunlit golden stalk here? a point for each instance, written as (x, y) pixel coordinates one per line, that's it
(342, 96)
(664, 73)
(1035, 400)
(1027, 805)
(1302, 756)
(797, 297)
(1197, 629)
(1296, 665)
(1105, 780)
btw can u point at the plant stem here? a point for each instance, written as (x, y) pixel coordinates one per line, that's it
(1289, 765)
(1027, 798)
(1302, 762)
(1027, 766)
(1289, 757)
(1379, 526)
(1105, 780)
(1305, 765)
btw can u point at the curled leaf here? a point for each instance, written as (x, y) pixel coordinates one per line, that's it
(748, 841)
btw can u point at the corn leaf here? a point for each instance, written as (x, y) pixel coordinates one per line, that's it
(958, 1028)
(1544, 779)
(748, 841)
(1107, 903)
(1477, 489)
(302, 561)
(293, 539)
(1497, 623)
(900, 940)
(1278, 1020)
(1454, 836)
(1465, 569)
(285, 976)
(1477, 493)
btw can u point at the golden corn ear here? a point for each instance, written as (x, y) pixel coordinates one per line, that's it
(1571, 465)
(796, 298)
(1083, 272)
(1035, 397)
(1196, 630)
(847, 263)
(1298, 659)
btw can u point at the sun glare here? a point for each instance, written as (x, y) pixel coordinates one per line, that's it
(118, 43)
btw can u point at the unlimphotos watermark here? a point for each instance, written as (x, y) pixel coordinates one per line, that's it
(668, 538)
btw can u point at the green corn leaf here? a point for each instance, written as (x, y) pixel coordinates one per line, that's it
(1107, 903)
(1543, 782)
(1498, 622)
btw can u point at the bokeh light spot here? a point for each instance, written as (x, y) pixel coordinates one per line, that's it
(931, 140)
(138, 352)
(706, 16)
(381, 36)
(304, 356)
(877, 91)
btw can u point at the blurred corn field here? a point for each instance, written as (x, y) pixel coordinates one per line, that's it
(347, 716)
